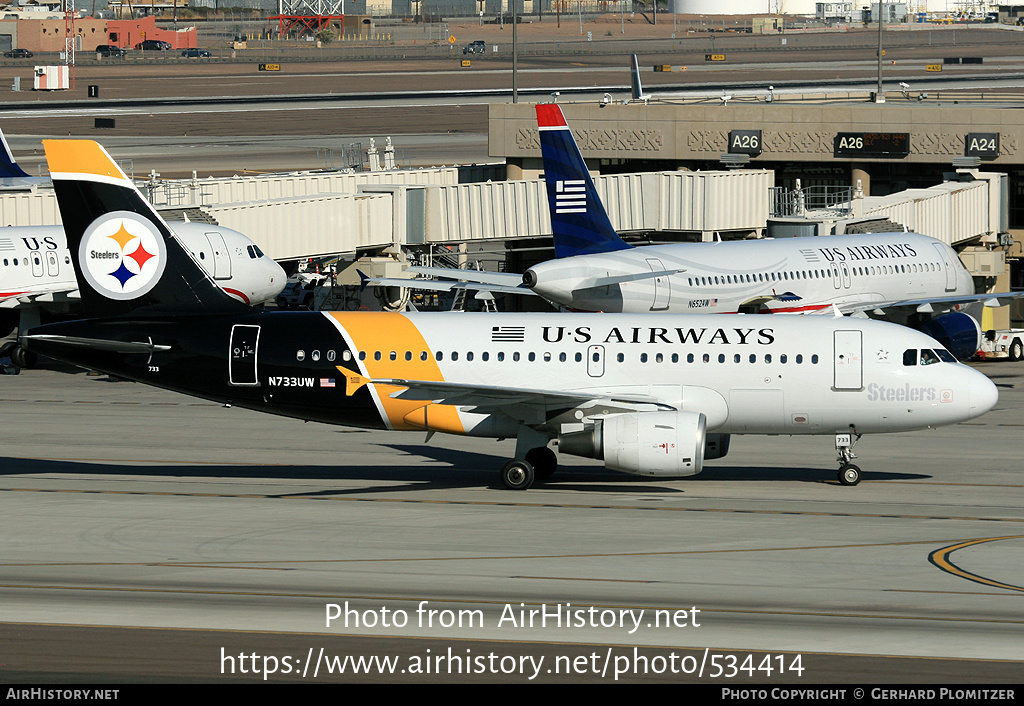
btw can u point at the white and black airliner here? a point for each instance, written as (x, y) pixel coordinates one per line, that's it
(650, 394)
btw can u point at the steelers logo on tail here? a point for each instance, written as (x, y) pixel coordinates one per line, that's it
(122, 255)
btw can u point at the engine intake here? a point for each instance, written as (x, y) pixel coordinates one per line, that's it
(959, 333)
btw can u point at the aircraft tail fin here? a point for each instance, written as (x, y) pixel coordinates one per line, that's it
(125, 257)
(578, 219)
(8, 166)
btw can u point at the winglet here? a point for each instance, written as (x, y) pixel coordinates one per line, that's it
(578, 220)
(353, 380)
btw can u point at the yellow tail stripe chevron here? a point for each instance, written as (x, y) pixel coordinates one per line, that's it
(389, 333)
(83, 157)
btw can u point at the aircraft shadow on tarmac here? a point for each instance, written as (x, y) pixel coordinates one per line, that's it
(457, 469)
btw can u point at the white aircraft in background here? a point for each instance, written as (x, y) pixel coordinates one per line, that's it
(908, 278)
(649, 394)
(36, 274)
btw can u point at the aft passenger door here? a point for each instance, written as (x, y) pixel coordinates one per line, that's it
(947, 266)
(242, 356)
(662, 286)
(848, 361)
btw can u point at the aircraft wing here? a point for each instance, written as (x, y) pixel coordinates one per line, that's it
(519, 403)
(10, 300)
(505, 279)
(437, 285)
(927, 305)
(634, 277)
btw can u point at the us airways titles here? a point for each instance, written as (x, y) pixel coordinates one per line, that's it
(868, 252)
(34, 243)
(658, 334)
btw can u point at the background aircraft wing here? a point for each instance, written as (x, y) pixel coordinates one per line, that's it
(929, 304)
(39, 295)
(489, 282)
(506, 279)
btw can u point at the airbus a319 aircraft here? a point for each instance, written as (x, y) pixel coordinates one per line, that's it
(650, 394)
(908, 278)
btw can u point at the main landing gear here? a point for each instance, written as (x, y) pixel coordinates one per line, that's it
(538, 463)
(519, 474)
(849, 474)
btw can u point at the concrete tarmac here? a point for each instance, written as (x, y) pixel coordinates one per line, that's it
(149, 536)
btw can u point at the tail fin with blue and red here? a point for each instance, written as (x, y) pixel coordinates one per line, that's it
(578, 219)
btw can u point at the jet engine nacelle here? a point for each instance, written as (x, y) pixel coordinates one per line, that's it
(959, 333)
(643, 443)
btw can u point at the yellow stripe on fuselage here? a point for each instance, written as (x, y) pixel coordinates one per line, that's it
(83, 157)
(388, 332)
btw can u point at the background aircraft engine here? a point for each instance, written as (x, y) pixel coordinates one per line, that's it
(644, 443)
(958, 332)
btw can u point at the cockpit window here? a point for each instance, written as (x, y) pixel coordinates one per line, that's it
(910, 356)
(928, 357)
(945, 356)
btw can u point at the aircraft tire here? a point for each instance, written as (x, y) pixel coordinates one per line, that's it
(849, 474)
(23, 358)
(544, 462)
(517, 475)
(1016, 350)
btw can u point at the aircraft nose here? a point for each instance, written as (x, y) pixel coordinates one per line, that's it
(984, 394)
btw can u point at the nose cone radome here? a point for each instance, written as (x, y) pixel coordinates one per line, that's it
(984, 394)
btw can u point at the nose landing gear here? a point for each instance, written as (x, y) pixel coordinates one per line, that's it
(849, 474)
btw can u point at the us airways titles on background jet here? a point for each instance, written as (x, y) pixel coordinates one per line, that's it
(908, 278)
(650, 394)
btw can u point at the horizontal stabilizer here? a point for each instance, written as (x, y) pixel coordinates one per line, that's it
(98, 344)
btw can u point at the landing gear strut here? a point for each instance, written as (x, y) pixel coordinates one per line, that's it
(849, 474)
(544, 462)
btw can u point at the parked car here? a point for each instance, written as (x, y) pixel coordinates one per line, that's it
(196, 53)
(477, 47)
(18, 54)
(111, 50)
(153, 45)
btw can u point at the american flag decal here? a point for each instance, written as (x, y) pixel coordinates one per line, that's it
(508, 333)
(571, 196)
(326, 382)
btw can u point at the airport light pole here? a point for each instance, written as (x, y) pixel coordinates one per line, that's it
(515, 54)
(879, 96)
